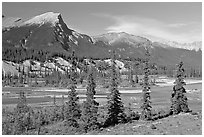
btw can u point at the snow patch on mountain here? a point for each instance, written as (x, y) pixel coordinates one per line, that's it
(8, 22)
(8, 68)
(76, 34)
(196, 45)
(73, 40)
(189, 46)
(111, 38)
(49, 17)
(120, 65)
(63, 62)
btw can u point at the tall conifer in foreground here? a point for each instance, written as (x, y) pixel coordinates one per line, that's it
(178, 97)
(73, 112)
(90, 106)
(20, 125)
(146, 106)
(115, 106)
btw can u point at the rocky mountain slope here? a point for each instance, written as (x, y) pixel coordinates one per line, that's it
(49, 32)
(161, 53)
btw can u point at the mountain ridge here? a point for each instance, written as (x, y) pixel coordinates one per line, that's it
(110, 38)
(49, 32)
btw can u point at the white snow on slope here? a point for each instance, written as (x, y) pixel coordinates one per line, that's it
(119, 64)
(8, 68)
(72, 39)
(10, 22)
(63, 62)
(59, 64)
(76, 34)
(49, 17)
(196, 45)
(115, 37)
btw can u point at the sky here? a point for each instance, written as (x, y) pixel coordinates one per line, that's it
(178, 21)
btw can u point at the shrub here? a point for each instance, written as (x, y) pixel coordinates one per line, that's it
(131, 115)
(160, 114)
(8, 120)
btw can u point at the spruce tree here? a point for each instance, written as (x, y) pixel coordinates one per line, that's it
(63, 108)
(131, 75)
(54, 100)
(136, 67)
(21, 109)
(45, 74)
(73, 111)
(90, 106)
(178, 97)
(146, 103)
(115, 106)
(28, 75)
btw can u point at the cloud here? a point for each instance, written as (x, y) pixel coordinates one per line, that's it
(180, 32)
(177, 25)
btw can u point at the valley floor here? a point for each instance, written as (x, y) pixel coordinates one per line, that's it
(187, 124)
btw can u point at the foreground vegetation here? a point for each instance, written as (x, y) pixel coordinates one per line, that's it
(75, 118)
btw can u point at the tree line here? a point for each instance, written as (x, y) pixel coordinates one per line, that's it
(18, 55)
(84, 117)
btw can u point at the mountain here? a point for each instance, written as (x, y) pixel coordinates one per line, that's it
(49, 32)
(9, 22)
(196, 45)
(114, 38)
(43, 31)
(161, 53)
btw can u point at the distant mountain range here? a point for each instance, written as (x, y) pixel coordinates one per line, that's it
(49, 32)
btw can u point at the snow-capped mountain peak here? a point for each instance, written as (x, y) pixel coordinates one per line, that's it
(114, 37)
(49, 17)
(196, 45)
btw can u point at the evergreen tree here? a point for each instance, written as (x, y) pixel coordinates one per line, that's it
(55, 108)
(178, 97)
(28, 75)
(3, 75)
(131, 75)
(23, 70)
(45, 74)
(20, 125)
(21, 74)
(146, 106)
(24, 75)
(136, 66)
(90, 106)
(41, 69)
(115, 106)
(73, 111)
(36, 80)
(54, 100)
(39, 121)
(19, 68)
(63, 108)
